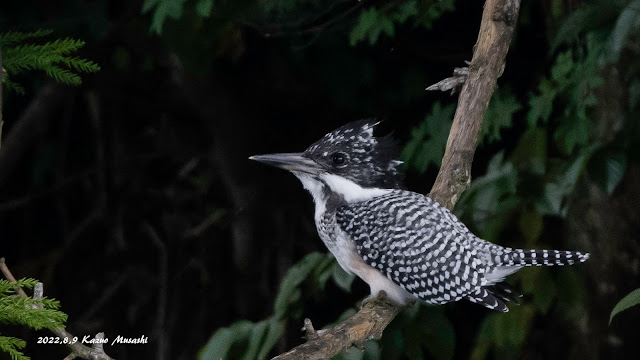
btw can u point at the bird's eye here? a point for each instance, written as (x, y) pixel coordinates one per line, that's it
(339, 158)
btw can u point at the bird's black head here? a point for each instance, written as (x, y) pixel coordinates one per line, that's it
(353, 152)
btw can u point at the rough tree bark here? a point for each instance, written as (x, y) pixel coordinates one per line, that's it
(490, 51)
(496, 30)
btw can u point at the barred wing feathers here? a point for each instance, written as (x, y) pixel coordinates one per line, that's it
(419, 245)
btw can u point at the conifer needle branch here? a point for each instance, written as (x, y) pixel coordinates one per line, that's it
(1, 76)
(77, 349)
(7, 274)
(496, 30)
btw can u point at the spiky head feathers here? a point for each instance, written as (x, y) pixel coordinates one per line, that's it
(352, 151)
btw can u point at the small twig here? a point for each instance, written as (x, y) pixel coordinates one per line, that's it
(453, 83)
(310, 332)
(77, 349)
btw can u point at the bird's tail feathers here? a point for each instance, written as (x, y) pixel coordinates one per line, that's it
(505, 292)
(483, 297)
(524, 257)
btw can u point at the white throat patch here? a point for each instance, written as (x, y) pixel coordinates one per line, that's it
(349, 190)
(315, 188)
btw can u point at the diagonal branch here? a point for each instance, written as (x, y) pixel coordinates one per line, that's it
(490, 51)
(496, 30)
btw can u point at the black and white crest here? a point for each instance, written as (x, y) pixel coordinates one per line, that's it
(352, 151)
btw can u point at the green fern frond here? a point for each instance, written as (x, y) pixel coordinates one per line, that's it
(12, 345)
(55, 58)
(37, 314)
(81, 65)
(63, 75)
(34, 313)
(19, 89)
(13, 37)
(7, 287)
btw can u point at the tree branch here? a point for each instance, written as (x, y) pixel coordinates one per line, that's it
(496, 30)
(498, 22)
(366, 324)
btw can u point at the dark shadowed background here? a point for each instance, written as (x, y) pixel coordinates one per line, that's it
(132, 199)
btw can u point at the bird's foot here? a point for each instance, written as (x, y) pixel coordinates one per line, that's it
(382, 295)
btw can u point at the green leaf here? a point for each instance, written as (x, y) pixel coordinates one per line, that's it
(258, 332)
(499, 115)
(551, 201)
(491, 199)
(164, 9)
(220, 342)
(406, 10)
(632, 299)
(573, 132)
(371, 24)
(322, 272)
(562, 67)
(276, 329)
(541, 105)
(341, 278)
(616, 165)
(531, 151)
(365, 25)
(429, 139)
(204, 7)
(607, 169)
(298, 273)
(555, 191)
(429, 12)
(576, 22)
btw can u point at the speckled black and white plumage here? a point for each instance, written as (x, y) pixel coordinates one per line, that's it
(395, 240)
(425, 249)
(371, 160)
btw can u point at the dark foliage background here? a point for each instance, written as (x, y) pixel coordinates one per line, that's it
(132, 199)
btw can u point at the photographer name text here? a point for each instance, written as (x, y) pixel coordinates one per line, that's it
(87, 339)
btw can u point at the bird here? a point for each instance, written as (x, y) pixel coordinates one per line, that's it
(398, 241)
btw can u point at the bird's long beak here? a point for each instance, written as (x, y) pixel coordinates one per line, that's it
(290, 161)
